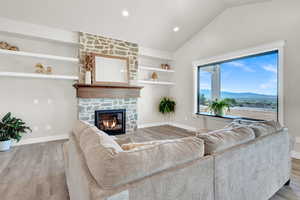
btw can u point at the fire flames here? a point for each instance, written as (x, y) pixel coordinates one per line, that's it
(109, 123)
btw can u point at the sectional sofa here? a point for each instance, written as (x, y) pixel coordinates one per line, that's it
(243, 161)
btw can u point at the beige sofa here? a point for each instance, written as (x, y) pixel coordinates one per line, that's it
(237, 162)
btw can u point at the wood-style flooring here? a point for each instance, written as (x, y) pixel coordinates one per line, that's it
(36, 172)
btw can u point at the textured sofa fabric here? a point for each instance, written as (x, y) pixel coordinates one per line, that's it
(192, 180)
(222, 139)
(111, 166)
(255, 170)
(260, 128)
(242, 168)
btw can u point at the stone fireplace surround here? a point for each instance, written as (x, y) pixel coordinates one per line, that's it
(87, 106)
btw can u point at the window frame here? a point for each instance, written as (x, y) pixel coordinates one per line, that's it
(259, 50)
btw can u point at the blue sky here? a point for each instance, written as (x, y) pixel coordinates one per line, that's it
(253, 74)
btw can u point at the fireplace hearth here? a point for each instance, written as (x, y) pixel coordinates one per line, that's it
(112, 122)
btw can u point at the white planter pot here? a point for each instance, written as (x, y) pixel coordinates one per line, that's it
(5, 145)
(88, 77)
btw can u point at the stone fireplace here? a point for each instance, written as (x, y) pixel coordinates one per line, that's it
(93, 98)
(89, 106)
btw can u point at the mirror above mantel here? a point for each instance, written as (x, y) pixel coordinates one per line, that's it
(107, 69)
(110, 78)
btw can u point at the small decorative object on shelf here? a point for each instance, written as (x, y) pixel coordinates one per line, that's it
(154, 76)
(39, 68)
(49, 70)
(165, 66)
(5, 45)
(88, 77)
(11, 128)
(88, 66)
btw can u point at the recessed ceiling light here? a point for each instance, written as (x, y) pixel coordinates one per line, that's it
(125, 13)
(176, 29)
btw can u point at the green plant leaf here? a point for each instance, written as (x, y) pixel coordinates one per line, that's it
(166, 105)
(12, 128)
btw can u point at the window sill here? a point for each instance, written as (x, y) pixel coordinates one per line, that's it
(226, 116)
(222, 117)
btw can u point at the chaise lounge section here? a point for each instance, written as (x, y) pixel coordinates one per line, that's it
(241, 161)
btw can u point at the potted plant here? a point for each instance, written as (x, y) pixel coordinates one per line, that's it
(166, 105)
(11, 128)
(219, 107)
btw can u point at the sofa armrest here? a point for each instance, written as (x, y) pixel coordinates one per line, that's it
(254, 170)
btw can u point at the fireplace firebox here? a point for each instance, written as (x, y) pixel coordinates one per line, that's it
(112, 122)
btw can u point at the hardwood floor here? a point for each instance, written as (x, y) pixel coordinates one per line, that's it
(36, 172)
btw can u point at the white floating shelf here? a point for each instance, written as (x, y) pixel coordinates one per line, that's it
(35, 75)
(38, 55)
(156, 69)
(156, 82)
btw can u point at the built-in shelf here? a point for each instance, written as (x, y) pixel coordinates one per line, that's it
(155, 69)
(156, 82)
(38, 55)
(35, 75)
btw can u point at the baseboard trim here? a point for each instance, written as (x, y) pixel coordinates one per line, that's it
(41, 139)
(295, 154)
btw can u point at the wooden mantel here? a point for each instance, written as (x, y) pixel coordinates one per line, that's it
(107, 91)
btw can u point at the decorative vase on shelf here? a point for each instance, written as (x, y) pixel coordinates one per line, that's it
(154, 76)
(88, 77)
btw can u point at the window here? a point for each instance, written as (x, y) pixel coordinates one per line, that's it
(249, 84)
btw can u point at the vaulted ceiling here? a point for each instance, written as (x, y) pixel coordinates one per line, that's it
(150, 22)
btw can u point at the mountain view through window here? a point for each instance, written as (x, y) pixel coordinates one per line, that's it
(250, 84)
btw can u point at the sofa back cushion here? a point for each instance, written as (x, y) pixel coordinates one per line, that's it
(146, 160)
(260, 128)
(111, 166)
(222, 139)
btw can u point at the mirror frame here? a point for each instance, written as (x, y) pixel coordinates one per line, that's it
(108, 56)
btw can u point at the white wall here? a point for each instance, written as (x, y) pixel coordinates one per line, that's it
(239, 28)
(48, 106)
(152, 94)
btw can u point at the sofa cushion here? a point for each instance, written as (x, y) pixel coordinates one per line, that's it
(260, 128)
(222, 139)
(142, 145)
(112, 168)
(131, 146)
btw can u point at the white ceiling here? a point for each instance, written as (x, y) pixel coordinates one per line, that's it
(150, 22)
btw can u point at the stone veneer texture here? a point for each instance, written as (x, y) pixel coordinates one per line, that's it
(107, 46)
(87, 108)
